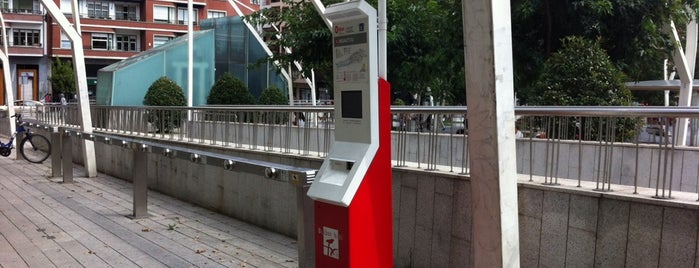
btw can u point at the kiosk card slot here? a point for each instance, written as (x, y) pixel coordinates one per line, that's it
(339, 171)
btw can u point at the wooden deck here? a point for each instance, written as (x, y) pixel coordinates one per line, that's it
(47, 223)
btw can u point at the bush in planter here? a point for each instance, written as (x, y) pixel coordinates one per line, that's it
(581, 74)
(164, 92)
(273, 96)
(228, 90)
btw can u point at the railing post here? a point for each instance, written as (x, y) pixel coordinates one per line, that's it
(56, 170)
(18, 139)
(304, 218)
(140, 181)
(67, 155)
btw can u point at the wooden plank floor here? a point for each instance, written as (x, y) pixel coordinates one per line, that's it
(47, 223)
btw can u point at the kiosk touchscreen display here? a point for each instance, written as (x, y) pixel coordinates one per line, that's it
(351, 104)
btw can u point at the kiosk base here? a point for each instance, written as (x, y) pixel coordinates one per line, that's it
(361, 235)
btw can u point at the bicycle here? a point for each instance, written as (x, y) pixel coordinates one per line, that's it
(34, 148)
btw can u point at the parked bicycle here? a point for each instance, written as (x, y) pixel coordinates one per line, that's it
(33, 147)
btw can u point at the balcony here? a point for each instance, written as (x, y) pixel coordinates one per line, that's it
(22, 11)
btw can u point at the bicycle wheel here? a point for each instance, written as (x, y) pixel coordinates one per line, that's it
(35, 148)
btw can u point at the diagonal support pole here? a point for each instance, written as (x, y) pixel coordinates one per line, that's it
(88, 146)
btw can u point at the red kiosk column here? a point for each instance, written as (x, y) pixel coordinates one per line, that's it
(352, 190)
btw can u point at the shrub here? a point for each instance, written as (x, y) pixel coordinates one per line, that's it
(229, 90)
(581, 73)
(273, 96)
(62, 78)
(164, 92)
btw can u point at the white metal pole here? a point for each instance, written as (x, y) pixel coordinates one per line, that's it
(90, 161)
(9, 92)
(313, 87)
(76, 15)
(382, 27)
(190, 56)
(290, 85)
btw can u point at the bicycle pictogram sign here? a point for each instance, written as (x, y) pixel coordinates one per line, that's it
(331, 245)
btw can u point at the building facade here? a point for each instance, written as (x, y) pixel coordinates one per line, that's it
(111, 31)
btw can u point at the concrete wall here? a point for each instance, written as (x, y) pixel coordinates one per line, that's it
(559, 227)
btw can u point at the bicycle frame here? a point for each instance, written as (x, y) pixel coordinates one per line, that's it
(18, 129)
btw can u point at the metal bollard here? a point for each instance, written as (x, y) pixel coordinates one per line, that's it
(18, 139)
(139, 177)
(304, 217)
(67, 155)
(56, 170)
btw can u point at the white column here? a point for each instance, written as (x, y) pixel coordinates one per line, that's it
(489, 80)
(90, 162)
(9, 91)
(684, 64)
(190, 57)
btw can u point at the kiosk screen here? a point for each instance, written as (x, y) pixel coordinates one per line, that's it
(352, 104)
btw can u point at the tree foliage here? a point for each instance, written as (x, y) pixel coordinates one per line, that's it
(425, 39)
(632, 33)
(164, 92)
(230, 90)
(424, 48)
(273, 96)
(62, 77)
(304, 31)
(580, 74)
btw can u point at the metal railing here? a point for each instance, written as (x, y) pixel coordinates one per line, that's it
(606, 145)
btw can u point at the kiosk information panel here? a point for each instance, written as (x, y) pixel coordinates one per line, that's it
(355, 71)
(352, 190)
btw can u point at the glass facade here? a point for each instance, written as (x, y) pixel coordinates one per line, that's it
(126, 82)
(234, 50)
(237, 52)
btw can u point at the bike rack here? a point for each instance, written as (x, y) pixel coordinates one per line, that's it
(66, 155)
(56, 140)
(300, 177)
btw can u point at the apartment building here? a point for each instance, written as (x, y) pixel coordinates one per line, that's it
(111, 31)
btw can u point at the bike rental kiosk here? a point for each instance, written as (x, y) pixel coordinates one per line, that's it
(352, 190)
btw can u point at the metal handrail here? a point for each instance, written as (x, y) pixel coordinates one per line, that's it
(550, 135)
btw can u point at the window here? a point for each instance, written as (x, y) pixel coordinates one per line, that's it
(255, 2)
(164, 14)
(159, 40)
(126, 42)
(98, 10)
(102, 41)
(183, 17)
(25, 37)
(215, 14)
(125, 11)
(65, 41)
(65, 7)
(5, 4)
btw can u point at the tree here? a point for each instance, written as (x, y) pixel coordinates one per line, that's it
(164, 92)
(62, 78)
(630, 31)
(581, 74)
(273, 96)
(304, 31)
(424, 49)
(229, 90)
